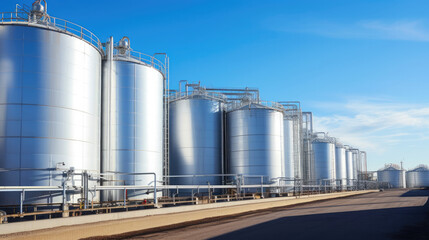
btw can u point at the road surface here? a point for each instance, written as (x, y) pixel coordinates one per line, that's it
(393, 214)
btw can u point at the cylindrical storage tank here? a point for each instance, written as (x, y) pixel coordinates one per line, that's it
(324, 161)
(49, 109)
(418, 177)
(298, 148)
(196, 139)
(393, 175)
(340, 164)
(288, 153)
(132, 124)
(255, 142)
(355, 159)
(349, 167)
(411, 179)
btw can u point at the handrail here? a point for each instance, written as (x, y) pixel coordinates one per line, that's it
(141, 57)
(191, 94)
(266, 104)
(53, 22)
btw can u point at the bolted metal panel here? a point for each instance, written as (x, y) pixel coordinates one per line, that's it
(324, 162)
(49, 108)
(340, 164)
(393, 175)
(132, 134)
(289, 154)
(418, 177)
(196, 139)
(255, 141)
(349, 167)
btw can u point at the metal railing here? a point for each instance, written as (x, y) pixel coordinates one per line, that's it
(22, 17)
(141, 57)
(197, 93)
(266, 104)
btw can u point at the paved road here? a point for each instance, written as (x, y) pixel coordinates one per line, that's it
(398, 214)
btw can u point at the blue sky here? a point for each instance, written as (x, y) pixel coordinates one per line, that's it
(362, 67)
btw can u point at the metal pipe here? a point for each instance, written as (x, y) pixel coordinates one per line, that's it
(180, 85)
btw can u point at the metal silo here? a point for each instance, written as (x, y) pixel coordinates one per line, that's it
(324, 160)
(418, 177)
(307, 155)
(196, 137)
(132, 119)
(340, 164)
(292, 125)
(50, 76)
(254, 141)
(349, 167)
(356, 161)
(392, 174)
(289, 153)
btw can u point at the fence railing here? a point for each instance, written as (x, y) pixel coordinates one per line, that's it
(52, 23)
(141, 57)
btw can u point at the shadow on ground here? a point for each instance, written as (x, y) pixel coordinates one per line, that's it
(391, 223)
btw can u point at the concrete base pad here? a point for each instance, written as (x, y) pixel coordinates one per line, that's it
(123, 222)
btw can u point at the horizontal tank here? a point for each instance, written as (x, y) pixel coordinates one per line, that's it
(49, 107)
(255, 142)
(340, 164)
(393, 175)
(196, 138)
(418, 177)
(132, 118)
(324, 161)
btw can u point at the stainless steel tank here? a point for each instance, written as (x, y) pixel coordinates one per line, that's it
(255, 142)
(418, 177)
(49, 107)
(355, 159)
(349, 167)
(340, 164)
(196, 138)
(132, 121)
(392, 174)
(324, 161)
(289, 151)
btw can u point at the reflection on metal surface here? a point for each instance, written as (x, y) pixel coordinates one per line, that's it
(289, 151)
(196, 138)
(132, 134)
(418, 177)
(340, 164)
(392, 174)
(255, 141)
(50, 108)
(349, 166)
(324, 161)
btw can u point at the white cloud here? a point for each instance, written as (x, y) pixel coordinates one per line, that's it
(375, 125)
(408, 30)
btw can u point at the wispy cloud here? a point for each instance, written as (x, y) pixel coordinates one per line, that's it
(408, 30)
(375, 125)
